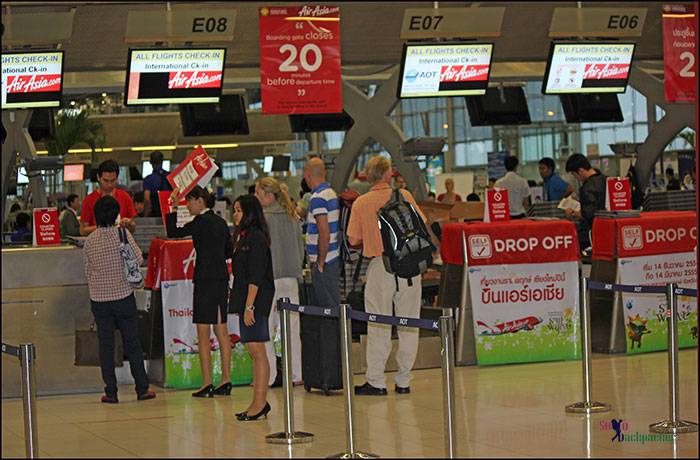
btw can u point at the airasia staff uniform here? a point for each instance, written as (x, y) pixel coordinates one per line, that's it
(126, 206)
(381, 290)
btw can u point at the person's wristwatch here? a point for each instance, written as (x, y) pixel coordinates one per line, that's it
(250, 307)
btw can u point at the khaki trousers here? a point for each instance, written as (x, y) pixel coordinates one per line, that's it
(380, 292)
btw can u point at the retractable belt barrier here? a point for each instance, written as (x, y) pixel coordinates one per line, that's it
(444, 326)
(26, 353)
(598, 286)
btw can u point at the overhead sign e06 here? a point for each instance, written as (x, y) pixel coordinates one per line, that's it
(445, 69)
(32, 80)
(175, 76)
(588, 68)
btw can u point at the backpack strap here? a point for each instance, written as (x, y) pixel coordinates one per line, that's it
(122, 236)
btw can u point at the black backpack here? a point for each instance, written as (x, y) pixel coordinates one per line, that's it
(408, 250)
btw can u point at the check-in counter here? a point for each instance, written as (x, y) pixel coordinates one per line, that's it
(44, 300)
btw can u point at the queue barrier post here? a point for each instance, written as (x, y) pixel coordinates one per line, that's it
(674, 425)
(26, 353)
(288, 436)
(586, 406)
(448, 388)
(348, 387)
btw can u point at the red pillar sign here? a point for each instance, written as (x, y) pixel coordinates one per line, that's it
(618, 196)
(680, 53)
(300, 59)
(46, 230)
(497, 208)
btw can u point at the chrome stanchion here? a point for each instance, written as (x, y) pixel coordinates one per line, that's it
(348, 387)
(288, 436)
(448, 388)
(673, 425)
(27, 357)
(587, 406)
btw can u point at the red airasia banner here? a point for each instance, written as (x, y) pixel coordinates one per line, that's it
(514, 242)
(33, 83)
(454, 73)
(171, 260)
(300, 59)
(653, 233)
(680, 53)
(605, 71)
(497, 208)
(182, 80)
(46, 230)
(618, 196)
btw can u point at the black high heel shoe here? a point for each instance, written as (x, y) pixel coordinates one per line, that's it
(206, 392)
(223, 389)
(244, 417)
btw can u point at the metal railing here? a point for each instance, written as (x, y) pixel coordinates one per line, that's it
(26, 353)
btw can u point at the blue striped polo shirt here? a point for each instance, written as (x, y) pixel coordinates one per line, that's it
(324, 201)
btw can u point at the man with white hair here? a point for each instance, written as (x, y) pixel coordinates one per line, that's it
(383, 288)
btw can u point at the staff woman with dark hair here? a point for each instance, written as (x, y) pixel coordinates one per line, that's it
(252, 294)
(212, 243)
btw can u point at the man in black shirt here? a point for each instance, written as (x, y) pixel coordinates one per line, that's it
(672, 183)
(591, 195)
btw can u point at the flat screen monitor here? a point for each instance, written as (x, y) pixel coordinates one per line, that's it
(174, 76)
(591, 108)
(73, 172)
(444, 69)
(587, 68)
(280, 163)
(267, 165)
(147, 169)
(320, 122)
(22, 178)
(226, 117)
(499, 106)
(32, 80)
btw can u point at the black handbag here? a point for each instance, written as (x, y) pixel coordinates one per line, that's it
(87, 348)
(356, 300)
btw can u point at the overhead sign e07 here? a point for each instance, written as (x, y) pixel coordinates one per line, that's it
(588, 68)
(32, 80)
(445, 69)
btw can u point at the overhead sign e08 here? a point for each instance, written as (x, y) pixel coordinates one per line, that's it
(445, 69)
(32, 80)
(588, 68)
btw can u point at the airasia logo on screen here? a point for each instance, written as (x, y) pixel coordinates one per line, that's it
(183, 80)
(33, 83)
(464, 73)
(605, 71)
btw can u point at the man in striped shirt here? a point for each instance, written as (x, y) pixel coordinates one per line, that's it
(322, 234)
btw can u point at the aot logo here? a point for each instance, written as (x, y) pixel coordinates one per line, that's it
(480, 246)
(411, 76)
(547, 243)
(632, 237)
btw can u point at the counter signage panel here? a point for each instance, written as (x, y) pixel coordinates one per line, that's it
(588, 68)
(32, 80)
(175, 76)
(445, 69)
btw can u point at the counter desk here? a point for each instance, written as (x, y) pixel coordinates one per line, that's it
(655, 248)
(519, 296)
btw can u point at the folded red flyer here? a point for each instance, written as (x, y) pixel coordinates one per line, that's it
(197, 169)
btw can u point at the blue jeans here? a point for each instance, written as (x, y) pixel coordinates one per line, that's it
(122, 314)
(326, 289)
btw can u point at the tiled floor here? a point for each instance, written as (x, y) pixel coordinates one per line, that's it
(504, 411)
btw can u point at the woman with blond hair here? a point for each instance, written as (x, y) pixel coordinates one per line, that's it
(287, 255)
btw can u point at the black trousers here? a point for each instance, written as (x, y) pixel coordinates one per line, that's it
(122, 314)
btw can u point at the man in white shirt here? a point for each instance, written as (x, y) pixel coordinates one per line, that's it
(518, 189)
